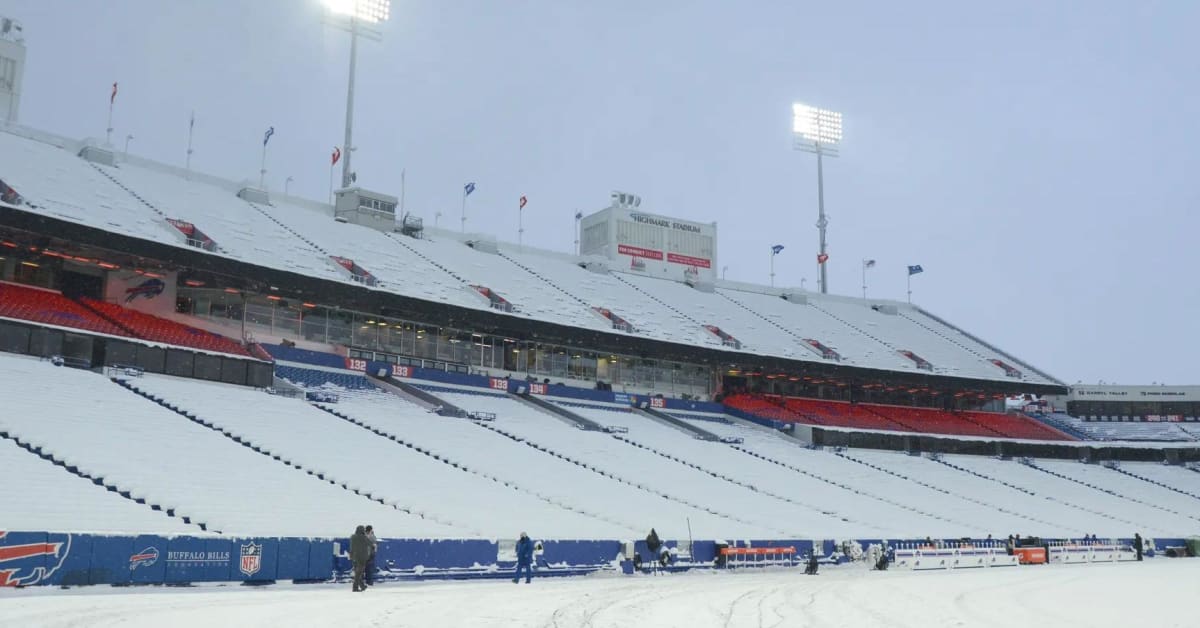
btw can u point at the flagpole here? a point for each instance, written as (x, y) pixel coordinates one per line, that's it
(772, 268)
(864, 271)
(909, 286)
(331, 166)
(463, 220)
(187, 165)
(262, 172)
(520, 226)
(108, 132)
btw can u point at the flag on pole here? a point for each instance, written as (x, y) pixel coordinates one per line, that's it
(113, 98)
(822, 258)
(468, 188)
(523, 201)
(870, 263)
(915, 269)
(578, 215)
(775, 250)
(337, 154)
(267, 135)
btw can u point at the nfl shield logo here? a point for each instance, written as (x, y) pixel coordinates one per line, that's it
(251, 558)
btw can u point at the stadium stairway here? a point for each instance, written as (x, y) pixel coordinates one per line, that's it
(947, 325)
(1156, 482)
(1034, 465)
(680, 424)
(299, 236)
(135, 195)
(654, 298)
(843, 486)
(466, 469)
(559, 412)
(42, 453)
(418, 395)
(939, 489)
(773, 323)
(612, 476)
(545, 280)
(260, 449)
(425, 257)
(856, 328)
(733, 480)
(1029, 492)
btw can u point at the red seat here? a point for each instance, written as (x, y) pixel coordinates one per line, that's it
(897, 418)
(51, 308)
(157, 329)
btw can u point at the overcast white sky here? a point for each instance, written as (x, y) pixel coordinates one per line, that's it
(1039, 159)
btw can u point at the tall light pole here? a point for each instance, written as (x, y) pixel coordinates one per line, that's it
(818, 131)
(356, 18)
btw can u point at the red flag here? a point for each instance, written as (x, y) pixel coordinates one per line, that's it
(337, 154)
(523, 201)
(822, 258)
(113, 98)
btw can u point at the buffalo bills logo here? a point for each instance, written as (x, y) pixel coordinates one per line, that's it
(144, 558)
(147, 290)
(251, 555)
(26, 564)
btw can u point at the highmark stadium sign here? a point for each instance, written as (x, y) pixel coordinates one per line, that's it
(663, 222)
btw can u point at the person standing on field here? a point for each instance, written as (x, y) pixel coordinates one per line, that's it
(360, 551)
(524, 559)
(369, 576)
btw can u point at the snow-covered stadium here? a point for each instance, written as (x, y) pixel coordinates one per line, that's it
(207, 382)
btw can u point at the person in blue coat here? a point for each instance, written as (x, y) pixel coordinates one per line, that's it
(524, 558)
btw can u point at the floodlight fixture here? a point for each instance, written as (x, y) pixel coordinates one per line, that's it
(818, 131)
(370, 11)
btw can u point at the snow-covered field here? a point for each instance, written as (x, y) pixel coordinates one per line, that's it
(1153, 593)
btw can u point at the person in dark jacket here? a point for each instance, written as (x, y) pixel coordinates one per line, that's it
(1137, 544)
(653, 542)
(369, 576)
(811, 568)
(524, 558)
(360, 551)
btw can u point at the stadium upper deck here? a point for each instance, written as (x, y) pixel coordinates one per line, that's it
(155, 204)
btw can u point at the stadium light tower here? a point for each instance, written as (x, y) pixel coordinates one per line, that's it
(356, 17)
(818, 131)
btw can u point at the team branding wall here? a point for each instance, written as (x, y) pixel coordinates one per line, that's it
(63, 559)
(32, 558)
(151, 293)
(658, 246)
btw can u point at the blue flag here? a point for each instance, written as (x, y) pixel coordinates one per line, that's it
(912, 270)
(468, 188)
(776, 249)
(267, 135)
